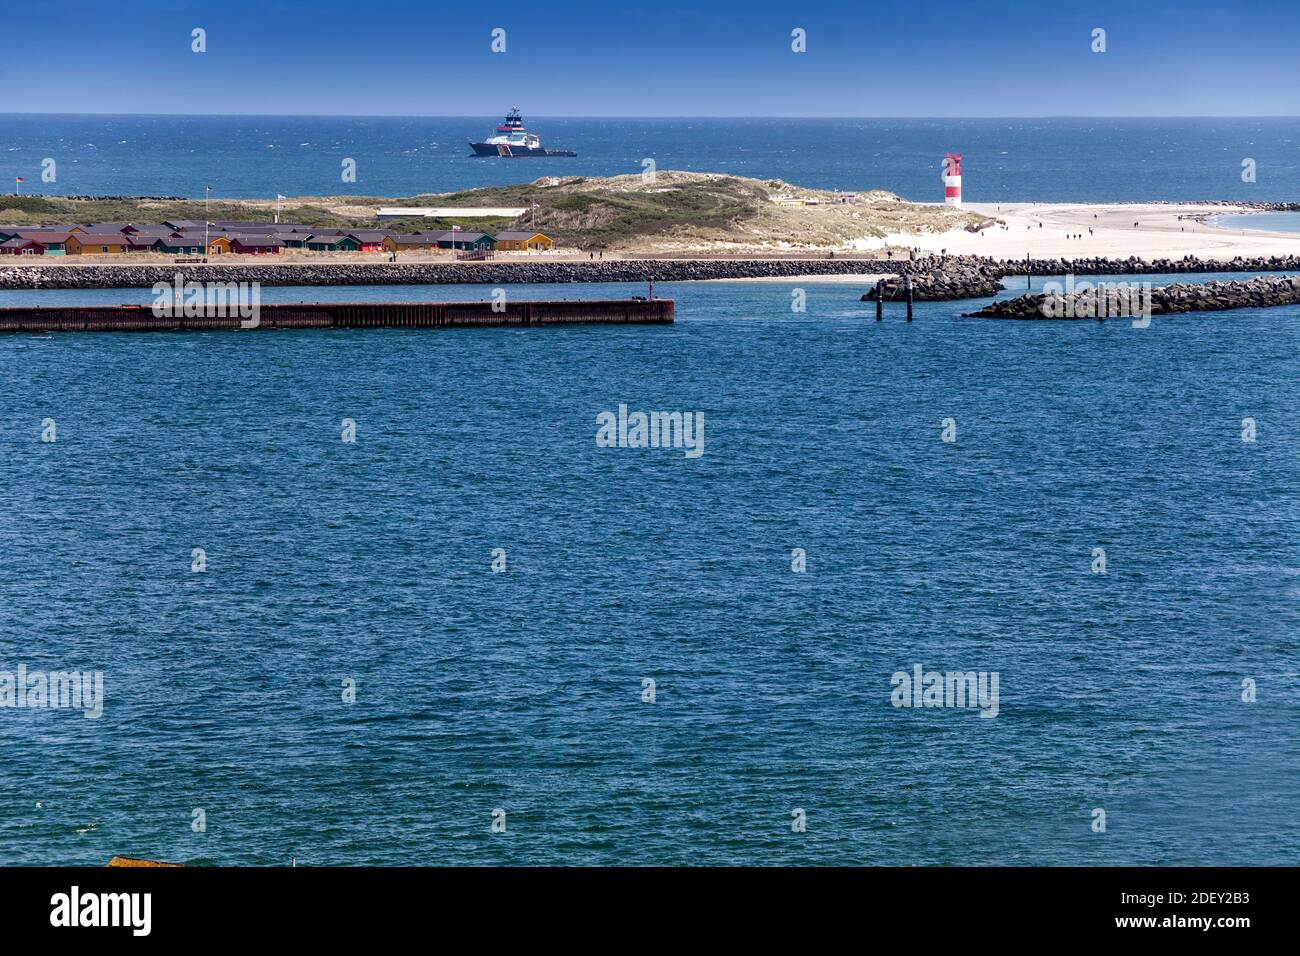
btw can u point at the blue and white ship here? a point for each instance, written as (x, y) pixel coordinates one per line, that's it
(512, 140)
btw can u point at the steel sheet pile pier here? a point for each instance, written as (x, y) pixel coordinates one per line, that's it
(341, 315)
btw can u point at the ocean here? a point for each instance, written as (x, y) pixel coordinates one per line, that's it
(365, 567)
(1272, 221)
(1005, 160)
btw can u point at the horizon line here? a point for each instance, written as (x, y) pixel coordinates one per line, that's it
(690, 116)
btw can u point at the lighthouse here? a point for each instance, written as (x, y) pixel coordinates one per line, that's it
(952, 179)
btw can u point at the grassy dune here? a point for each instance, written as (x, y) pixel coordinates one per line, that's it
(671, 211)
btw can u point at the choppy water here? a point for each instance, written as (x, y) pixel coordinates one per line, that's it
(1006, 160)
(522, 690)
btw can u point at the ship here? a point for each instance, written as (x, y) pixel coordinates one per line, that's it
(514, 141)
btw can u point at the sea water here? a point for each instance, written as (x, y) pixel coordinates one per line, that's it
(461, 611)
(1005, 160)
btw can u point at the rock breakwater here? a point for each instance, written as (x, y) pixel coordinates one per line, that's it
(1120, 302)
(128, 275)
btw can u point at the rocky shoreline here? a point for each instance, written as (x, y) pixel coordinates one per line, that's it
(1256, 205)
(933, 278)
(958, 280)
(1121, 301)
(970, 277)
(1137, 266)
(448, 273)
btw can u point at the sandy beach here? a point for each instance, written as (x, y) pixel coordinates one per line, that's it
(1153, 230)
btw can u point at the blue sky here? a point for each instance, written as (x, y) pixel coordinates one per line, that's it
(723, 58)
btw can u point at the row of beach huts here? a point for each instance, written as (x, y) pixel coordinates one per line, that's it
(185, 237)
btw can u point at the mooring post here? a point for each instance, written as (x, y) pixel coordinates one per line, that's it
(909, 298)
(880, 303)
(1029, 279)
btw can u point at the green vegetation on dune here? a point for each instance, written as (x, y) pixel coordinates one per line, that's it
(629, 213)
(602, 213)
(669, 208)
(35, 210)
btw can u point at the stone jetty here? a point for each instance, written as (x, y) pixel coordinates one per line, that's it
(128, 275)
(957, 279)
(934, 278)
(1121, 300)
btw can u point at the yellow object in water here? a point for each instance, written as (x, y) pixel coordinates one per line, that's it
(132, 861)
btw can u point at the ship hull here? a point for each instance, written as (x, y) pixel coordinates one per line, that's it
(517, 152)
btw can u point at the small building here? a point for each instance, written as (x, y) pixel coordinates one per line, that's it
(177, 245)
(459, 212)
(293, 240)
(105, 228)
(55, 242)
(219, 245)
(466, 240)
(255, 245)
(370, 240)
(332, 244)
(155, 231)
(524, 241)
(243, 226)
(141, 242)
(415, 243)
(94, 244)
(18, 246)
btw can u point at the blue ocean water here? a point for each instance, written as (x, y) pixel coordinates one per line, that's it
(1005, 160)
(1272, 221)
(522, 690)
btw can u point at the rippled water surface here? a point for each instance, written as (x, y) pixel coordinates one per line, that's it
(522, 690)
(1058, 159)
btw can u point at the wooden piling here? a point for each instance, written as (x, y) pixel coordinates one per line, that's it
(909, 298)
(880, 303)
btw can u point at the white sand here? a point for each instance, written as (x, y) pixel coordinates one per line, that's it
(1041, 229)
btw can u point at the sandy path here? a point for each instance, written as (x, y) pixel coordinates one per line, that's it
(1043, 230)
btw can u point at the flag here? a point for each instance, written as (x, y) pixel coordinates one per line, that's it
(537, 205)
(455, 228)
(278, 196)
(19, 179)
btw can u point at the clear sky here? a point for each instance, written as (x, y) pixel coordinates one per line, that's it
(652, 57)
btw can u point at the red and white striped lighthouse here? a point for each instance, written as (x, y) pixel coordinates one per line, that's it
(952, 179)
